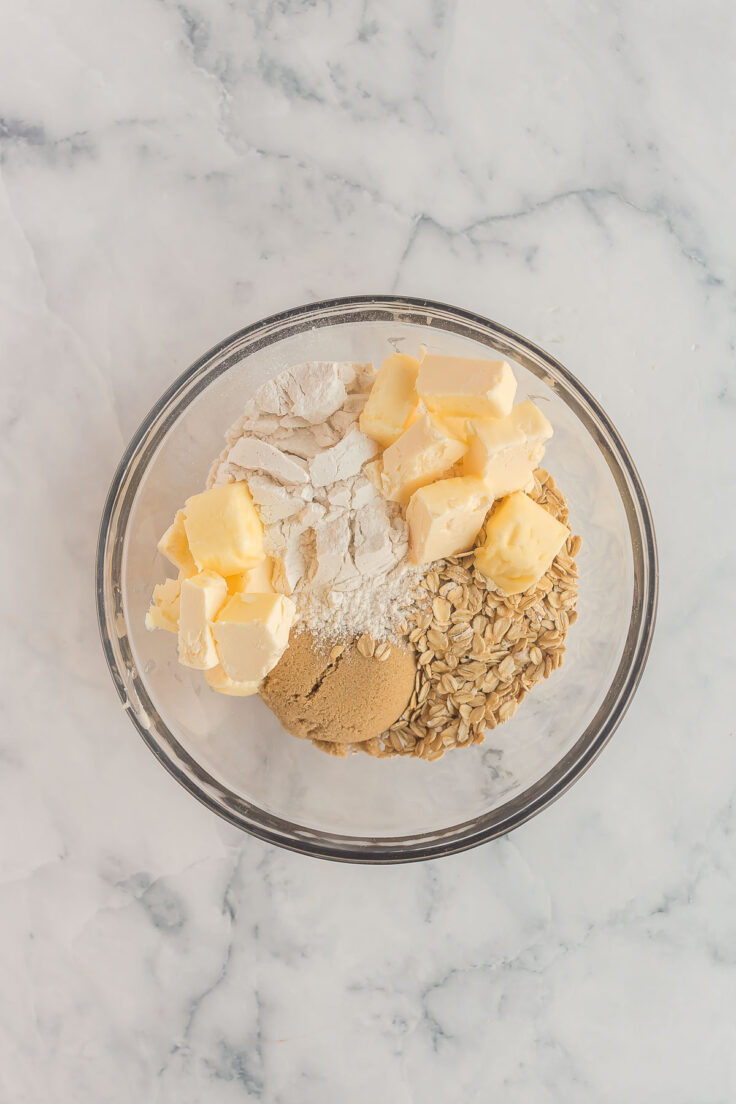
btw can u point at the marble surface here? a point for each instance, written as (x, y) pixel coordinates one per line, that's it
(170, 171)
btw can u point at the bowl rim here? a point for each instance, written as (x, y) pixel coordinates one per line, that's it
(362, 849)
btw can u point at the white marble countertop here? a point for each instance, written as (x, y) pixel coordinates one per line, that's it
(170, 171)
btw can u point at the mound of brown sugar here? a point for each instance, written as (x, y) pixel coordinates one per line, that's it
(339, 695)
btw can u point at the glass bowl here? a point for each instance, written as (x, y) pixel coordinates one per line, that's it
(231, 753)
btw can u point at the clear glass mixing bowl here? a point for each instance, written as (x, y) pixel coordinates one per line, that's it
(231, 753)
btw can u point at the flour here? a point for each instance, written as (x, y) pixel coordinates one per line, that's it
(340, 548)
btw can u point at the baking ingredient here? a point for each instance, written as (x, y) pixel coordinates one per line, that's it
(300, 504)
(163, 612)
(220, 530)
(251, 632)
(480, 651)
(522, 539)
(422, 454)
(392, 401)
(223, 529)
(340, 550)
(458, 427)
(505, 451)
(444, 518)
(252, 453)
(223, 684)
(175, 546)
(344, 460)
(309, 394)
(464, 387)
(258, 580)
(201, 597)
(339, 695)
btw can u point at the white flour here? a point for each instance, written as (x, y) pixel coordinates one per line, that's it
(339, 546)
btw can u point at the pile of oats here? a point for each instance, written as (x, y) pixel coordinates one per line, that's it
(479, 651)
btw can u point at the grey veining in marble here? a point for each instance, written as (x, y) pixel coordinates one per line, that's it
(172, 171)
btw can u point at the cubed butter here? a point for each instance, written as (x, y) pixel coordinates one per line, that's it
(522, 540)
(423, 453)
(444, 518)
(175, 546)
(418, 411)
(223, 529)
(259, 580)
(505, 451)
(163, 612)
(223, 684)
(458, 427)
(392, 401)
(251, 633)
(463, 387)
(202, 596)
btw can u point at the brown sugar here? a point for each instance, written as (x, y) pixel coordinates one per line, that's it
(339, 695)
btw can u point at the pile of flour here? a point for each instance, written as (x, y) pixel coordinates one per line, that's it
(340, 548)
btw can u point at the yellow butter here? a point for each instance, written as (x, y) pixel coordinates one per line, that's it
(418, 411)
(258, 580)
(251, 633)
(423, 453)
(163, 612)
(521, 542)
(445, 518)
(223, 684)
(465, 387)
(223, 529)
(175, 546)
(392, 400)
(505, 451)
(202, 596)
(458, 427)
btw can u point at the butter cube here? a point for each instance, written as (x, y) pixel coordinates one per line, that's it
(252, 632)
(175, 546)
(202, 596)
(223, 684)
(505, 451)
(464, 387)
(422, 454)
(258, 580)
(163, 612)
(444, 518)
(223, 529)
(522, 540)
(458, 427)
(419, 411)
(392, 401)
